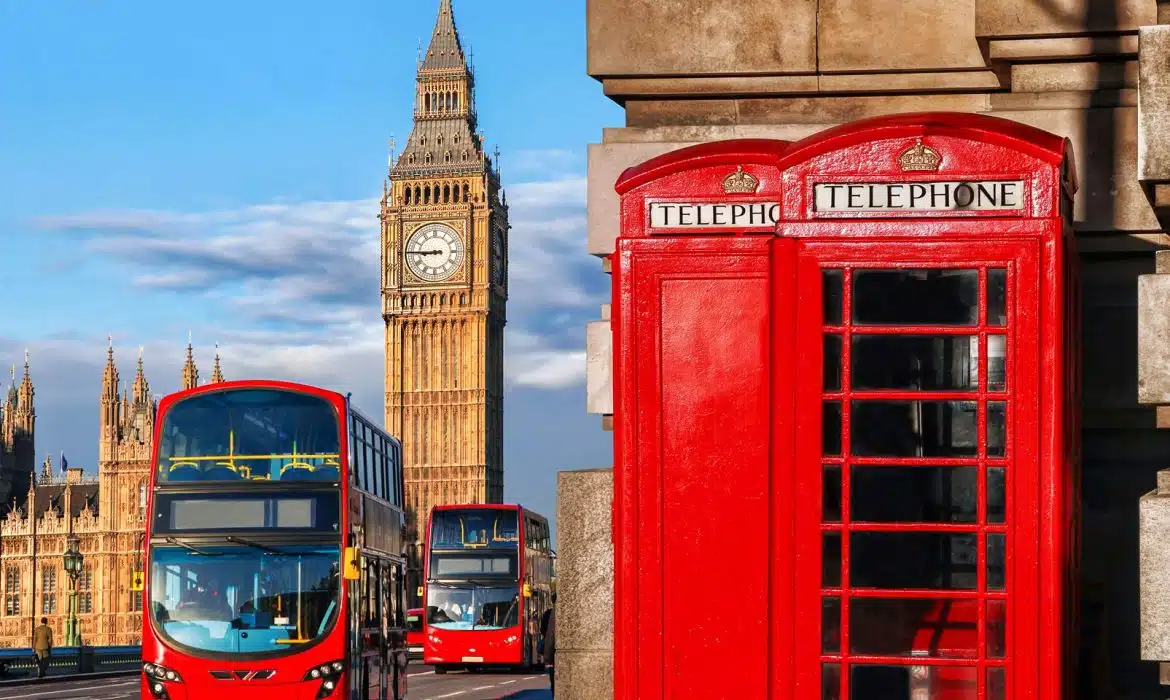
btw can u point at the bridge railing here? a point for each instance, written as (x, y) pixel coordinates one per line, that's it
(65, 661)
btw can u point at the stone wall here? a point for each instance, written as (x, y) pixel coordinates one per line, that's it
(584, 585)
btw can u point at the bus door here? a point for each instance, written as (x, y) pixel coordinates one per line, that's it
(373, 647)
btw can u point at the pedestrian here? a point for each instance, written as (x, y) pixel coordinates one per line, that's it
(43, 646)
(548, 634)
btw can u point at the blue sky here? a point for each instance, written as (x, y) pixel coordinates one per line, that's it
(214, 167)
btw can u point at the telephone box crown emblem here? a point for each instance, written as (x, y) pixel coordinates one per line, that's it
(740, 182)
(919, 157)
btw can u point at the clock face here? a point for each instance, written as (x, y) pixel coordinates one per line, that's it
(434, 252)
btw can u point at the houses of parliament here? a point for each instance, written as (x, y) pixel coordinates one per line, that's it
(41, 508)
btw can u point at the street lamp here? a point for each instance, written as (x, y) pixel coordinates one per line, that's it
(73, 560)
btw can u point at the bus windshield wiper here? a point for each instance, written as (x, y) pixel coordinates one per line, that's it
(255, 545)
(184, 545)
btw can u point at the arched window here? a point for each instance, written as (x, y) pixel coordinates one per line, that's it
(407, 195)
(417, 192)
(456, 96)
(446, 194)
(11, 591)
(428, 159)
(427, 194)
(466, 192)
(447, 157)
(439, 140)
(85, 590)
(427, 102)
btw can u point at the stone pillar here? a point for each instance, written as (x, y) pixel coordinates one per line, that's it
(1154, 557)
(584, 660)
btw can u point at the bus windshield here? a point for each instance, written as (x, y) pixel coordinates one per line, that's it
(250, 434)
(241, 600)
(473, 607)
(474, 529)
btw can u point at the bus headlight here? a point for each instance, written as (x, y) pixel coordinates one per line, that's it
(329, 674)
(157, 676)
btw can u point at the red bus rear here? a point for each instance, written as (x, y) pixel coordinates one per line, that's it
(275, 548)
(488, 571)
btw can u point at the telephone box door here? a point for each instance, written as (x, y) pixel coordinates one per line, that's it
(918, 365)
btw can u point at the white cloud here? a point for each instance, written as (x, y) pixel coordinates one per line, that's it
(296, 284)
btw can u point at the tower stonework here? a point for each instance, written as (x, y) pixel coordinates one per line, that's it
(444, 290)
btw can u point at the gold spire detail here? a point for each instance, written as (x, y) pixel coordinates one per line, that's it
(190, 372)
(140, 387)
(216, 373)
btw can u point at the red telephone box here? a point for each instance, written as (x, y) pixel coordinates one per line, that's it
(846, 447)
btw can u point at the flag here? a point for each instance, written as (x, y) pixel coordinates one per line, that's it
(64, 462)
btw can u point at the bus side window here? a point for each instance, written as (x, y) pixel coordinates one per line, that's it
(397, 615)
(373, 604)
(387, 446)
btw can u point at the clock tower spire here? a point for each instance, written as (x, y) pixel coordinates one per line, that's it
(444, 291)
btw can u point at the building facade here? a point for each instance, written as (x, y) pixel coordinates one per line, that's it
(1089, 70)
(106, 512)
(444, 291)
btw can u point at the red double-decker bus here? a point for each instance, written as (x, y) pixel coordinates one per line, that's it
(275, 548)
(488, 572)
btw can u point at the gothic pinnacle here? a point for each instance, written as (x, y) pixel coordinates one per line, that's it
(216, 373)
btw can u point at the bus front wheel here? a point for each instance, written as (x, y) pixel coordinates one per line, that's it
(440, 669)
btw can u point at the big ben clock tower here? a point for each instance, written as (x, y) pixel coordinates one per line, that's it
(444, 289)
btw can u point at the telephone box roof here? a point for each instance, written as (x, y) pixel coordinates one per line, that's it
(730, 152)
(1037, 143)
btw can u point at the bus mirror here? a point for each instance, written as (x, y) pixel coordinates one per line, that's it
(136, 581)
(353, 564)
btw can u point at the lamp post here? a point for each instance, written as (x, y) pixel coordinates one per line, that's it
(73, 560)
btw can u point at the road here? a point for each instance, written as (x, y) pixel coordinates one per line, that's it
(423, 685)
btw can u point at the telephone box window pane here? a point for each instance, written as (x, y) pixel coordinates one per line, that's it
(997, 298)
(915, 362)
(831, 428)
(831, 560)
(833, 296)
(996, 493)
(830, 682)
(996, 428)
(831, 625)
(914, 494)
(831, 490)
(996, 684)
(996, 628)
(832, 363)
(913, 683)
(995, 561)
(916, 297)
(937, 628)
(914, 428)
(996, 354)
(922, 560)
